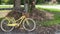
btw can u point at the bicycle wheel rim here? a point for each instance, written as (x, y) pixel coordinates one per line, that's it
(5, 29)
(33, 25)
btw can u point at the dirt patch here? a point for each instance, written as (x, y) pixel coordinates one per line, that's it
(3, 13)
(42, 15)
(36, 14)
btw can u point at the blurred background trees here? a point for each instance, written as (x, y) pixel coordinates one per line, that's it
(0, 1)
(6, 1)
(22, 1)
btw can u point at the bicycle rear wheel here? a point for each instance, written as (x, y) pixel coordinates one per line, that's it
(4, 26)
(29, 24)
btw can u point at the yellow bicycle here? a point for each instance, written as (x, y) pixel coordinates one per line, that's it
(8, 24)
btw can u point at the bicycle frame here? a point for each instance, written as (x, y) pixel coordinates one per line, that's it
(17, 24)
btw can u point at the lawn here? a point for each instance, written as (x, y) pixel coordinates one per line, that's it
(53, 9)
(8, 6)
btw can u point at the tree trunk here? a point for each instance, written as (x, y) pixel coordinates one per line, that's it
(17, 5)
(29, 5)
(26, 5)
(33, 4)
(54, 1)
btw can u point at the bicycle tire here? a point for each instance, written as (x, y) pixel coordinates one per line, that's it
(6, 26)
(34, 26)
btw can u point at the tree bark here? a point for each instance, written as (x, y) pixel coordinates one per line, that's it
(54, 1)
(17, 5)
(33, 4)
(26, 5)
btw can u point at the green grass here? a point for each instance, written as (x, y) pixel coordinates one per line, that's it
(6, 6)
(56, 19)
(50, 9)
(5, 10)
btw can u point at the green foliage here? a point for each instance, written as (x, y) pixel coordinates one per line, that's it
(22, 1)
(6, 1)
(40, 1)
(10, 2)
(0, 1)
(58, 1)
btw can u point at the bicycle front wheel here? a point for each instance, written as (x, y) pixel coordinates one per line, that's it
(29, 24)
(4, 26)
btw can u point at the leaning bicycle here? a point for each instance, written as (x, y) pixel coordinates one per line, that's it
(8, 24)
